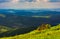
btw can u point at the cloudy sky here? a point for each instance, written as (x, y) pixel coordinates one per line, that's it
(28, 4)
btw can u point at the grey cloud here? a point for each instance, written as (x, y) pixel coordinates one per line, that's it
(2, 1)
(54, 0)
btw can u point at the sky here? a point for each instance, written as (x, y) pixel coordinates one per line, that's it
(29, 4)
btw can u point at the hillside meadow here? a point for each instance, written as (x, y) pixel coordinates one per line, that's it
(50, 33)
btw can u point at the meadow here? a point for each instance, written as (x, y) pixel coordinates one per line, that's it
(49, 33)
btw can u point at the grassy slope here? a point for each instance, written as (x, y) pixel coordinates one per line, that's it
(4, 29)
(52, 33)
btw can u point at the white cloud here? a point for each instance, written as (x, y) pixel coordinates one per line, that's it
(15, 4)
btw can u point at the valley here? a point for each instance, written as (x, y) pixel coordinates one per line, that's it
(21, 23)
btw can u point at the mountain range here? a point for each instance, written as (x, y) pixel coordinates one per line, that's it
(27, 20)
(11, 17)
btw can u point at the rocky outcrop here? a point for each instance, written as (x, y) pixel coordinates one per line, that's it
(43, 27)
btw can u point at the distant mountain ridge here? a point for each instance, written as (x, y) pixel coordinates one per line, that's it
(29, 17)
(39, 12)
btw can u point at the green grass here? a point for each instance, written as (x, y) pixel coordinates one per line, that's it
(5, 29)
(41, 16)
(52, 33)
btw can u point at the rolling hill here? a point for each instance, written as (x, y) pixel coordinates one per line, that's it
(51, 33)
(28, 18)
(16, 23)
